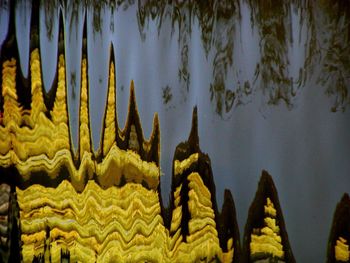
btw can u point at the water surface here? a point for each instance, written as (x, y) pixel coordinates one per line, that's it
(270, 79)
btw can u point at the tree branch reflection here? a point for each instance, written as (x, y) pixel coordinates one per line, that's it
(324, 35)
(272, 19)
(335, 75)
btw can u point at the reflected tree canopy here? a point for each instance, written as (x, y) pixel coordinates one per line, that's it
(50, 8)
(335, 75)
(273, 22)
(323, 35)
(181, 17)
(226, 17)
(327, 48)
(217, 21)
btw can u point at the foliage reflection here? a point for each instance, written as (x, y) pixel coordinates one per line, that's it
(324, 27)
(324, 36)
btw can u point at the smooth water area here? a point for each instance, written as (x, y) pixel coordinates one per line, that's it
(270, 81)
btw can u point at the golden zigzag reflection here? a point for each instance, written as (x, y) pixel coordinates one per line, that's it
(35, 142)
(102, 206)
(33, 139)
(117, 223)
(267, 239)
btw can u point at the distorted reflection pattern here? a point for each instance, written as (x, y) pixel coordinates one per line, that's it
(58, 204)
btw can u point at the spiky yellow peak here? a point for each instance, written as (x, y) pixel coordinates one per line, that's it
(267, 240)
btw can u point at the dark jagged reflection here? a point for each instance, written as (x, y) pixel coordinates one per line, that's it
(50, 8)
(181, 16)
(217, 21)
(97, 6)
(273, 22)
(226, 15)
(327, 48)
(167, 94)
(73, 7)
(323, 36)
(335, 75)
(323, 26)
(324, 33)
(312, 53)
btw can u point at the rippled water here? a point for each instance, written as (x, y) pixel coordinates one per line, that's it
(270, 79)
